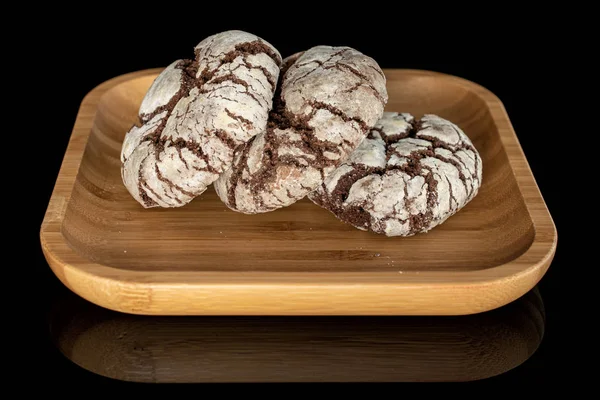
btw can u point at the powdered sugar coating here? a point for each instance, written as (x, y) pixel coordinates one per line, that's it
(166, 85)
(330, 98)
(194, 116)
(407, 177)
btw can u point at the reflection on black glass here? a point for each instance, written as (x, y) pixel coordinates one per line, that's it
(293, 349)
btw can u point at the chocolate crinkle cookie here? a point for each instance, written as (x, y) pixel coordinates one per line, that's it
(328, 100)
(406, 177)
(195, 114)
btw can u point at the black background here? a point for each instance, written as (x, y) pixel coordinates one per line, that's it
(73, 55)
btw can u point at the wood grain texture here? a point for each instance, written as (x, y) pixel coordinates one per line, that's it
(204, 259)
(297, 349)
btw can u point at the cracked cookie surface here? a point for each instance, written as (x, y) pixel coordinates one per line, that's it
(328, 100)
(195, 114)
(406, 177)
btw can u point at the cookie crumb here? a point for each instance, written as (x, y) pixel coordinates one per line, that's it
(377, 254)
(124, 251)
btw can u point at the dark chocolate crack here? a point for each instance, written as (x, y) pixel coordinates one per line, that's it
(363, 78)
(257, 47)
(236, 176)
(390, 139)
(294, 64)
(188, 81)
(378, 70)
(225, 138)
(247, 123)
(230, 77)
(194, 148)
(317, 105)
(169, 183)
(413, 166)
(359, 171)
(241, 50)
(452, 198)
(141, 185)
(144, 196)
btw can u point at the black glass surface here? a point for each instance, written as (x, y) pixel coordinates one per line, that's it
(69, 340)
(296, 349)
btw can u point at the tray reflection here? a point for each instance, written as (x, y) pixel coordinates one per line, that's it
(296, 349)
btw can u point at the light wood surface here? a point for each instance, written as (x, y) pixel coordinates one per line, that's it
(297, 349)
(204, 259)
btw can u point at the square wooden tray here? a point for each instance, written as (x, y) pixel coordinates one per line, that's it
(204, 259)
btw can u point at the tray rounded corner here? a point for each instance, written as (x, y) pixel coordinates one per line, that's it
(521, 274)
(95, 283)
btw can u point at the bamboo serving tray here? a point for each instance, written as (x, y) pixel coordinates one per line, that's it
(204, 259)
